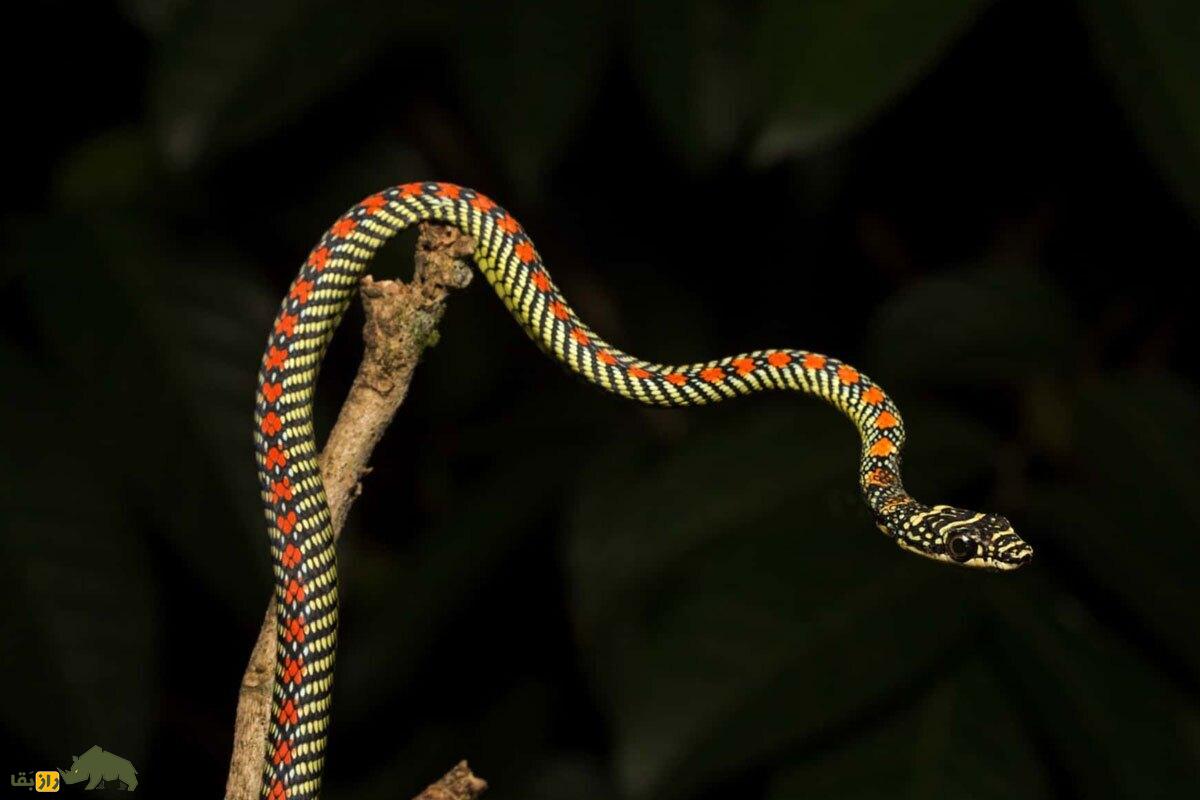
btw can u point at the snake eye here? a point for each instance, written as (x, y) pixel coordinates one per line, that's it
(961, 548)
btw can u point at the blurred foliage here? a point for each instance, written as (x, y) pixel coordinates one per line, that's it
(814, 93)
(1149, 49)
(984, 205)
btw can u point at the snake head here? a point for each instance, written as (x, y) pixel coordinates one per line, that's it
(966, 538)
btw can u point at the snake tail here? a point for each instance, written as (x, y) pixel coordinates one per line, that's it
(298, 518)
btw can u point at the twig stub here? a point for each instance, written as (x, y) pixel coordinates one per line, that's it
(457, 784)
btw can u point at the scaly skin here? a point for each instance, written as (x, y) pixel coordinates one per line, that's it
(294, 499)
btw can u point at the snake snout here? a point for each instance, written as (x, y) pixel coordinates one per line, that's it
(1014, 556)
(1008, 551)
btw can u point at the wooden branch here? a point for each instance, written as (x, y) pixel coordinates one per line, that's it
(401, 321)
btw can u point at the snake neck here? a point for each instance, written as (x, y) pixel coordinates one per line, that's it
(884, 492)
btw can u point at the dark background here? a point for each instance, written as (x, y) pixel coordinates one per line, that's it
(991, 208)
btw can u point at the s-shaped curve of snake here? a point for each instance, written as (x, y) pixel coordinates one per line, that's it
(302, 547)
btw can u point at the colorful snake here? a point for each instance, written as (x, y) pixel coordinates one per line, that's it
(302, 545)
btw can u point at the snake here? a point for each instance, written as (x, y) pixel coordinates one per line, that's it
(294, 502)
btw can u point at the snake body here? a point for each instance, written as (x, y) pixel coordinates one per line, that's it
(302, 546)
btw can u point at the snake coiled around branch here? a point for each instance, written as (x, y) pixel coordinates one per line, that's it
(302, 544)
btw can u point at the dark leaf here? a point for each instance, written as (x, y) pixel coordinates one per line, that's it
(963, 739)
(1133, 440)
(527, 71)
(1151, 49)
(228, 73)
(79, 627)
(166, 361)
(692, 63)
(832, 65)
(982, 326)
(1116, 726)
(725, 595)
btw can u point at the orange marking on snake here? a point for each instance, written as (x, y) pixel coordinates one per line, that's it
(779, 359)
(880, 477)
(580, 336)
(290, 556)
(677, 378)
(713, 375)
(318, 258)
(294, 630)
(814, 361)
(638, 372)
(896, 502)
(295, 591)
(373, 203)
(744, 365)
(293, 670)
(300, 291)
(508, 224)
(276, 357)
(271, 423)
(873, 396)
(605, 357)
(283, 753)
(277, 791)
(847, 374)
(884, 447)
(448, 190)
(343, 227)
(281, 490)
(286, 324)
(483, 203)
(276, 458)
(411, 189)
(524, 251)
(559, 310)
(287, 714)
(541, 280)
(886, 419)
(286, 522)
(271, 391)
